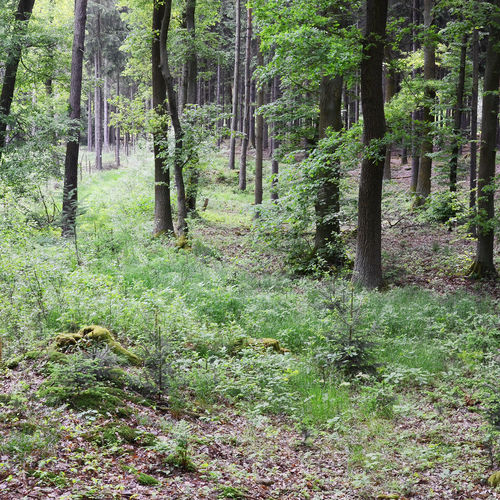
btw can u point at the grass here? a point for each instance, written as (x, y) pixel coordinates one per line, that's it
(204, 300)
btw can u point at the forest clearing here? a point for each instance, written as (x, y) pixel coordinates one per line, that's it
(249, 251)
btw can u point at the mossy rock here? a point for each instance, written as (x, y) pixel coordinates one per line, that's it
(147, 480)
(262, 344)
(57, 357)
(95, 333)
(494, 480)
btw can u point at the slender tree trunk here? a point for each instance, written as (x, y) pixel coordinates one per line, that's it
(90, 132)
(70, 190)
(236, 87)
(473, 124)
(275, 146)
(182, 227)
(192, 171)
(259, 129)
(117, 128)
(425, 170)
(246, 109)
(457, 117)
(163, 211)
(483, 265)
(327, 246)
(390, 90)
(415, 148)
(22, 16)
(105, 114)
(98, 97)
(368, 263)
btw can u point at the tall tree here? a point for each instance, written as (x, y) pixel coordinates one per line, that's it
(425, 169)
(163, 212)
(473, 121)
(191, 97)
(236, 85)
(368, 263)
(484, 265)
(70, 190)
(176, 123)
(246, 105)
(457, 116)
(259, 130)
(23, 13)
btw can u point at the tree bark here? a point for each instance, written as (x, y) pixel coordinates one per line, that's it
(182, 227)
(259, 130)
(274, 146)
(70, 190)
(163, 222)
(236, 87)
(368, 263)
(192, 170)
(98, 128)
(23, 14)
(117, 128)
(246, 105)
(390, 90)
(327, 205)
(473, 124)
(483, 265)
(425, 170)
(457, 116)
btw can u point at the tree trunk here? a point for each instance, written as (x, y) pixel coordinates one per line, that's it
(182, 227)
(390, 90)
(163, 211)
(70, 190)
(424, 172)
(274, 146)
(90, 132)
(236, 87)
(259, 129)
(117, 128)
(98, 98)
(105, 115)
(473, 124)
(327, 247)
(23, 14)
(483, 265)
(246, 109)
(457, 117)
(192, 170)
(415, 148)
(368, 263)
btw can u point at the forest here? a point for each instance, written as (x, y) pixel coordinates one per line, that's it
(249, 250)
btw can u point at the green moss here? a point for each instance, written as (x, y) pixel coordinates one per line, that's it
(57, 357)
(37, 354)
(5, 398)
(13, 363)
(147, 480)
(99, 334)
(494, 479)
(95, 399)
(262, 344)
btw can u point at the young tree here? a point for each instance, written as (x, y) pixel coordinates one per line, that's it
(368, 263)
(259, 130)
(70, 190)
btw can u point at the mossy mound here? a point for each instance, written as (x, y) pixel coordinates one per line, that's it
(147, 480)
(114, 433)
(262, 344)
(95, 333)
(494, 480)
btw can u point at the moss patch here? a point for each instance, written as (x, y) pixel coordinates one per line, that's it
(262, 344)
(494, 480)
(95, 333)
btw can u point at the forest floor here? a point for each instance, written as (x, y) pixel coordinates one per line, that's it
(236, 422)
